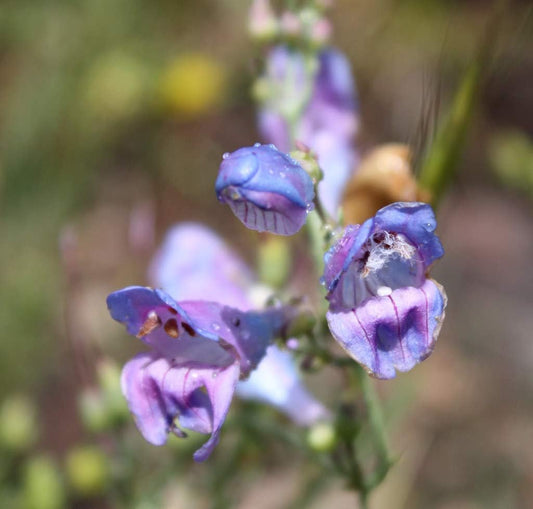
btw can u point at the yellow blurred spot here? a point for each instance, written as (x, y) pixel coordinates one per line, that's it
(87, 470)
(115, 87)
(192, 84)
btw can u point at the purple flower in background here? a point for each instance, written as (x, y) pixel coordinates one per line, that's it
(384, 311)
(194, 262)
(266, 189)
(198, 352)
(329, 120)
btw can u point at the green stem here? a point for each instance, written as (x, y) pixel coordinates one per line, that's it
(377, 426)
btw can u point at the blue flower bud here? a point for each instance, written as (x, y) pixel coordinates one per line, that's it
(266, 189)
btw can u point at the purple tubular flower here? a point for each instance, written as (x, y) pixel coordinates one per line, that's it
(194, 345)
(329, 122)
(266, 189)
(384, 311)
(194, 262)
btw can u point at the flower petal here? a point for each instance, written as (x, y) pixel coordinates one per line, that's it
(249, 333)
(276, 382)
(194, 262)
(417, 222)
(266, 189)
(160, 322)
(158, 392)
(394, 332)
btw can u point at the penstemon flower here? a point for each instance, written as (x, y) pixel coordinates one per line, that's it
(194, 345)
(329, 115)
(266, 189)
(384, 310)
(194, 262)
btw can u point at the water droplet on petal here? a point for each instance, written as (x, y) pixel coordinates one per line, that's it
(225, 155)
(215, 326)
(257, 144)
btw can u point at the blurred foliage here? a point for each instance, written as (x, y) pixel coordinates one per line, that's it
(511, 158)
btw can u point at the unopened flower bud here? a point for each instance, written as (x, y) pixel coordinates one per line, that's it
(320, 32)
(266, 189)
(93, 412)
(262, 22)
(87, 471)
(308, 161)
(303, 323)
(274, 261)
(42, 485)
(322, 437)
(116, 407)
(291, 25)
(18, 423)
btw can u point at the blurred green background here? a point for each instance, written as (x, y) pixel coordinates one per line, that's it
(114, 117)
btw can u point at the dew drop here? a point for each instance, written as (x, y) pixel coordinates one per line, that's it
(257, 144)
(225, 155)
(215, 374)
(282, 174)
(215, 326)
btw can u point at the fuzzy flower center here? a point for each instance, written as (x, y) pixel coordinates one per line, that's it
(387, 261)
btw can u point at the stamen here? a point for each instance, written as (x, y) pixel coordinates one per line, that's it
(171, 328)
(151, 323)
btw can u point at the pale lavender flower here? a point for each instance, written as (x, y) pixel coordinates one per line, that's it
(384, 310)
(327, 123)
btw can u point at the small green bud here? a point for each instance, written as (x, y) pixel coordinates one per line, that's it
(261, 90)
(109, 380)
(274, 261)
(87, 471)
(301, 324)
(262, 21)
(321, 437)
(18, 423)
(93, 411)
(308, 162)
(42, 485)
